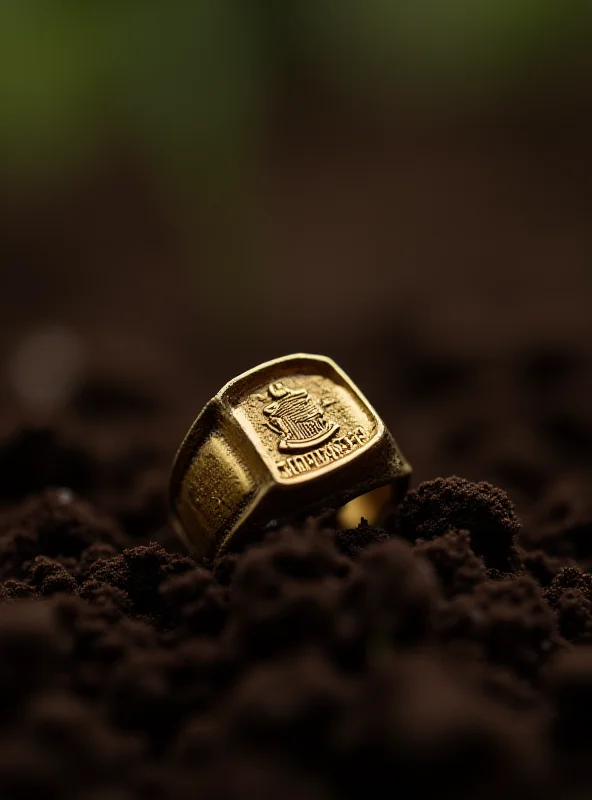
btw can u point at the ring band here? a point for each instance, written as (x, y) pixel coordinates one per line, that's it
(290, 438)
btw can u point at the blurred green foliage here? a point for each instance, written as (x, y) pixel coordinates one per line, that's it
(439, 49)
(189, 78)
(181, 76)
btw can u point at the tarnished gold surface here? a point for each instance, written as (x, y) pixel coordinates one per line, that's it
(291, 437)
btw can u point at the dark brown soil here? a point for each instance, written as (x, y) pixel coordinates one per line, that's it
(447, 654)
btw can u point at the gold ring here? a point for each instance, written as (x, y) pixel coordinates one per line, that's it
(291, 438)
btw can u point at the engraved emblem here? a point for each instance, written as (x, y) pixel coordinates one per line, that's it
(298, 420)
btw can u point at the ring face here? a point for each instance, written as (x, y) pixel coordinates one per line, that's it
(307, 423)
(290, 437)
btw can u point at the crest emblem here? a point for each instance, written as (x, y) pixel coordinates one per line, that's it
(298, 420)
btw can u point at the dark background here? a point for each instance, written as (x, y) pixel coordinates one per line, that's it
(190, 189)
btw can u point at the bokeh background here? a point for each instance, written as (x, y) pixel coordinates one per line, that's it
(190, 188)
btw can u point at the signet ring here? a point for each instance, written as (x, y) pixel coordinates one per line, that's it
(289, 439)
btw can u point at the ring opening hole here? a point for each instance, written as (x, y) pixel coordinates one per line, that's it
(367, 505)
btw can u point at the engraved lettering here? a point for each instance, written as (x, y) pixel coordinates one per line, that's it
(283, 466)
(300, 463)
(321, 456)
(310, 460)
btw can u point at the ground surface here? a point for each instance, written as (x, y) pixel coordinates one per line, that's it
(452, 646)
